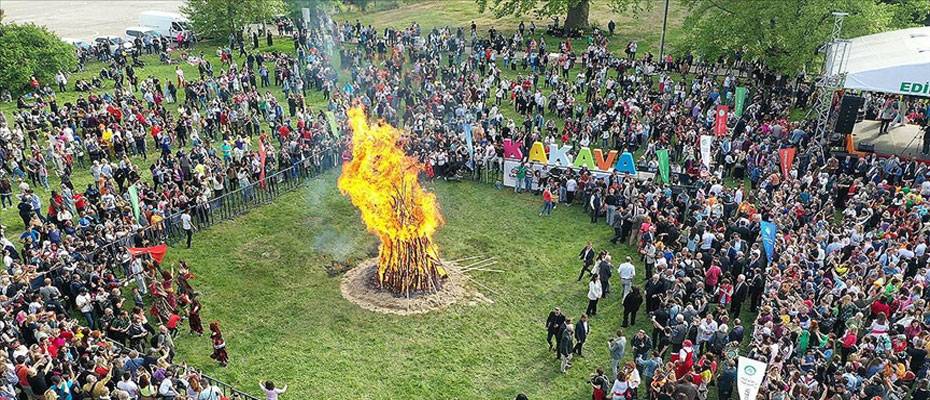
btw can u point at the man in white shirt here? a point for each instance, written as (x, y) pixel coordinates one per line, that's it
(128, 386)
(707, 240)
(627, 272)
(85, 303)
(188, 226)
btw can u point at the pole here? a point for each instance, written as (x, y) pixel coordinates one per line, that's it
(664, 27)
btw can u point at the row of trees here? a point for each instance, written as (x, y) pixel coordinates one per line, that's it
(784, 33)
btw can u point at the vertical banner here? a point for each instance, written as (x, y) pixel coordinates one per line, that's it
(768, 238)
(786, 156)
(662, 155)
(741, 94)
(706, 141)
(134, 200)
(720, 122)
(749, 376)
(262, 154)
(469, 140)
(333, 128)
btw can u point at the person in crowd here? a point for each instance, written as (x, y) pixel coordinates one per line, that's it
(219, 344)
(631, 304)
(595, 291)
(617, 348)
(271, 391)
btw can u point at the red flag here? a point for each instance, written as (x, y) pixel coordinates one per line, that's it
(157, 252)
(786, 156)
(720, 122)
(261, 155)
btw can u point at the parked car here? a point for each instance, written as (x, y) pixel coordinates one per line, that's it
(79, 43)
(141, 32)
(116, 42)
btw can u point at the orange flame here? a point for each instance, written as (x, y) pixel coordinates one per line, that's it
(382, 181)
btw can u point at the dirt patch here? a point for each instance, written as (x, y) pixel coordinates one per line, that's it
(360, 286)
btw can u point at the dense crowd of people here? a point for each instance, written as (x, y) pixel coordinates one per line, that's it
(835, 306)
(160, 154)
(836, 309)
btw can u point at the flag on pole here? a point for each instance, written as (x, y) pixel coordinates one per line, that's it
(741, 93)
(134, 200)
(262, 155)
(157, 252)
(749, 376)
(768, 238)
(706, 141)
(662, 155)
(720, 122)
(469, 139)
(786, 156)
(333, 127)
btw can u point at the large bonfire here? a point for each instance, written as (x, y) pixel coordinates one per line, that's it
(382, 181)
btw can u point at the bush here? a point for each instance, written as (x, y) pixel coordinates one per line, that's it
(27, 50)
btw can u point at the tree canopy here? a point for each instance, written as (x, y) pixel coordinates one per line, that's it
(219, 18)
(575, 11)
(30, 50)
(787, 33)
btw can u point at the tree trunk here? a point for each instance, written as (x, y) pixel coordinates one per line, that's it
(577, 17)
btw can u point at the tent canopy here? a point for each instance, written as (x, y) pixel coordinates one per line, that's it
(891, 62)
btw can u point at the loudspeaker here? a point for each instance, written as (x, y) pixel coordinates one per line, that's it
(866, 147)
(849, 110)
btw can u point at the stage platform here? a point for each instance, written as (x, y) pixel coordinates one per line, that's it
(903, 141)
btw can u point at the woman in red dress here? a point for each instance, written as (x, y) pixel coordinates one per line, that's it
(219, 344)
(193, 317)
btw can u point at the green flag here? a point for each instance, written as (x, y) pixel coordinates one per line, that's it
(333, 128)
(134, 199)
(741, 93)
(662, 155)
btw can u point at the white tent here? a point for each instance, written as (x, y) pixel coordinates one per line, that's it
(891, 62)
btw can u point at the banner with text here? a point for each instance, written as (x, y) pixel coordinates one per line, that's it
(741, 94)
(786, 156)
(768, 238)
(749, 376)
(706, 142)
(662, 155)
(720, 122)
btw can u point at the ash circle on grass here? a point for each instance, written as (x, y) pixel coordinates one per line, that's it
(360, 287)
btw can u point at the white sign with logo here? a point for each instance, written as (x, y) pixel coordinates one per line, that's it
(749, 376)
(706, 142)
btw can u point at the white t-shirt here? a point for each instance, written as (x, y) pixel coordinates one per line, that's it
(273, 393)
(626, 271)
(186, 222)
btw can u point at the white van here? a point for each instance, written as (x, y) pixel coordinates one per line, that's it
(165, 23)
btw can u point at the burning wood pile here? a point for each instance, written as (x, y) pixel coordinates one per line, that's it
(382, 181)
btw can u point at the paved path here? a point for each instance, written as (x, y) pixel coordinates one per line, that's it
(84, 19)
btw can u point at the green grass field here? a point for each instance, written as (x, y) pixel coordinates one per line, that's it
(263, 277)
(263, 274)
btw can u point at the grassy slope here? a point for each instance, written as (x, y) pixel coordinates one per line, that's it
(644, 26)
(263, 277)
(81, 175)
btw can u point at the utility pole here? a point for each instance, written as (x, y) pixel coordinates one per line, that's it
(664, 27)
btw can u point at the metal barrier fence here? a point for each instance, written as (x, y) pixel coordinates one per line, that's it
(226, 389)
(231, 203)
(227, 206)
